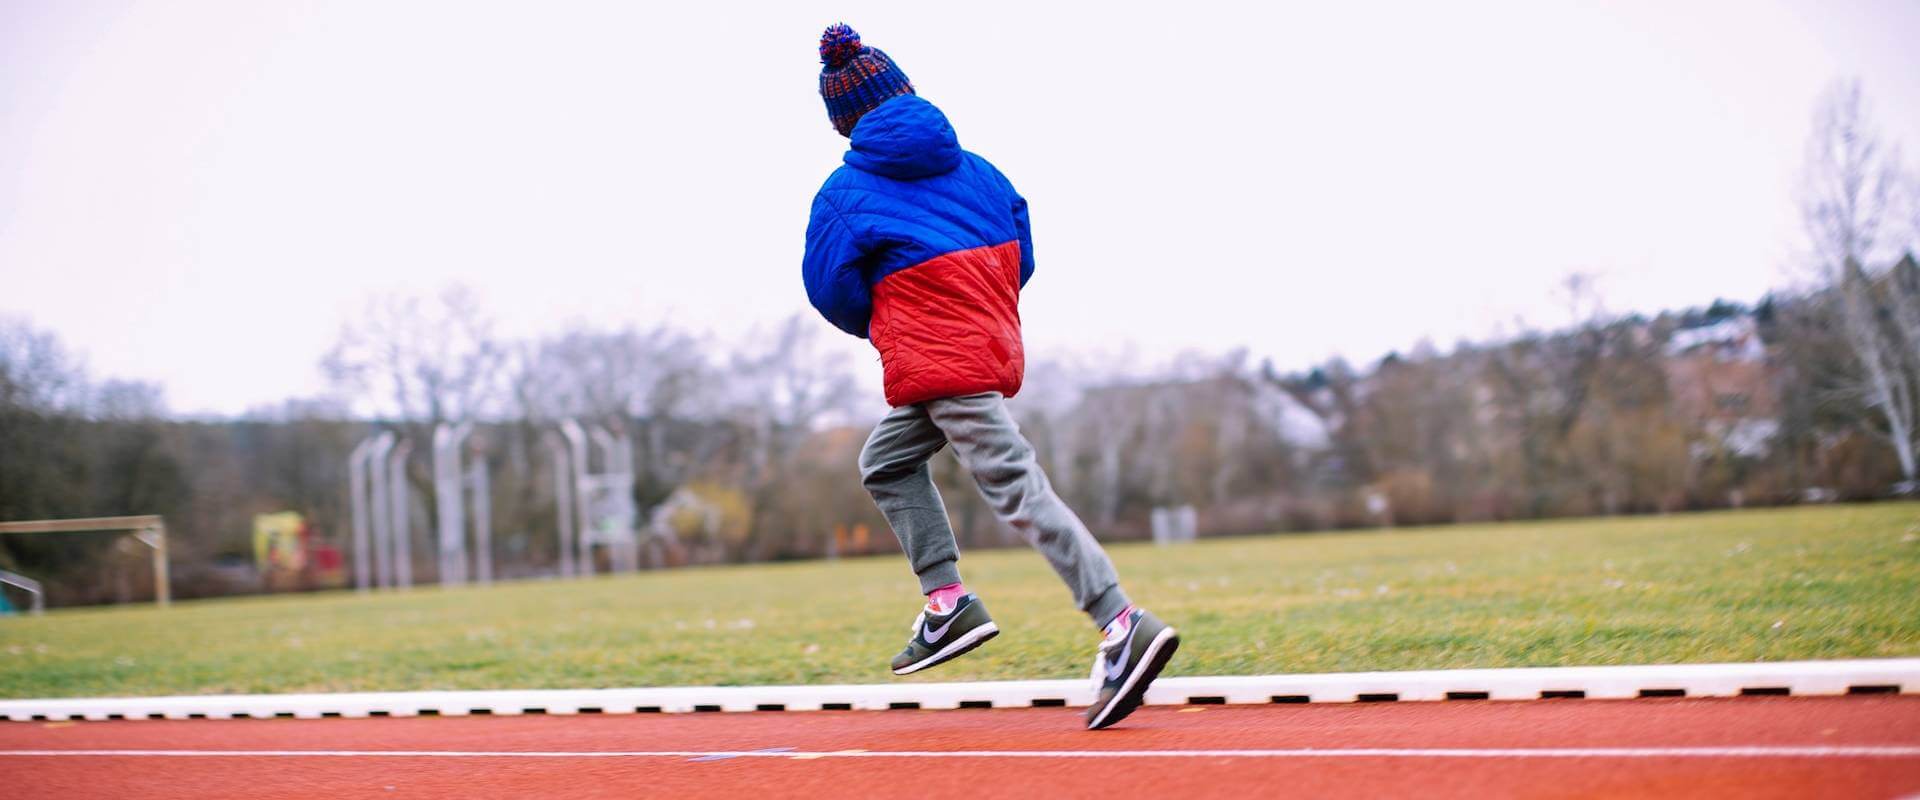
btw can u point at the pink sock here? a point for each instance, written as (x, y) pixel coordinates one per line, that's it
(943, 599)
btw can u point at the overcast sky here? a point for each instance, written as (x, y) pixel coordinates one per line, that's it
(199, 193)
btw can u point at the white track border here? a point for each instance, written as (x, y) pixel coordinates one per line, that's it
(1798, 678)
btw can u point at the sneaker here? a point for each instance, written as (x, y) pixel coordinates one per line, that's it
(940, 637)
(1126, 665)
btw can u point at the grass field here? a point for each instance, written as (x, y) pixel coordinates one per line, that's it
(1826, 582)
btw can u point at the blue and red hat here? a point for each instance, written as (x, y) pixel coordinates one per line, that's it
(855, 79)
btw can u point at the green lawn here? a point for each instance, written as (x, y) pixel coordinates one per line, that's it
(1829, 582)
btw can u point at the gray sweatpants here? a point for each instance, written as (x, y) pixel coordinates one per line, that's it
(893, 465)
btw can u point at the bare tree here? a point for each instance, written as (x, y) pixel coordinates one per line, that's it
(419, 360)
(1079, 436)
(37, 374)
(43, 387)
(116, 399)
(605, 374)
(784, 383)
(783, 386)
(1847, 203)
(1541, 384)
(652, 382)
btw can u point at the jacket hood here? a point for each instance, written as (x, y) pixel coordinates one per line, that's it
(904, 138)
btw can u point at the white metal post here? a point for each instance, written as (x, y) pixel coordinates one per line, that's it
(448, 509)
(357, 497)
(446, 512)
(562, 499)
(402, 524)
(382, 523)
(619, 466)
(155, 535)
(577, 444)
(482, 521)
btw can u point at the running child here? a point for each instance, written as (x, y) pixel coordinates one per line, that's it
(923, 248)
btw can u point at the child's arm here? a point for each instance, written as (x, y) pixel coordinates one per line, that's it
(831, 268)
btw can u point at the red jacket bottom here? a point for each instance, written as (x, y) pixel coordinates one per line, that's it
(950, 326)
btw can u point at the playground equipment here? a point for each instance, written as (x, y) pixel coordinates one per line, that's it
(279, 548)
(382, 529)
(602, 502)
(661, 540)
(288, 555)
(150, 530)
(454, 482)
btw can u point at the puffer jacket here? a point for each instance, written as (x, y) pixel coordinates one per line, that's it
(922, 247)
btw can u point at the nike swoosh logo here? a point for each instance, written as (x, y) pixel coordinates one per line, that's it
(1114, 665)
(933, 635)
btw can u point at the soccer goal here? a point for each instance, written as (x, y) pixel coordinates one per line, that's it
(150, 530)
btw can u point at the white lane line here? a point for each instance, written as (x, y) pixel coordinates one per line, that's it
(1838, 751)
(1898, 677)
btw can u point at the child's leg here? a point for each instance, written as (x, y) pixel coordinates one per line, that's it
(1003, 465)
(893, 465)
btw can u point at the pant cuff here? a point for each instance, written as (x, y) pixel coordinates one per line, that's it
(1108, 605)
(938, 575)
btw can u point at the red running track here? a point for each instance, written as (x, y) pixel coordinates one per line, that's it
(1745, 747)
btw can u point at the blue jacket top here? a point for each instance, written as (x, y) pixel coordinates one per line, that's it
(906, 196)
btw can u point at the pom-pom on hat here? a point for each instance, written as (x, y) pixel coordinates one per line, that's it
(855, 78)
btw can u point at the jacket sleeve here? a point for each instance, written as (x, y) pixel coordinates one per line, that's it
(835, 283)
(1025, 228)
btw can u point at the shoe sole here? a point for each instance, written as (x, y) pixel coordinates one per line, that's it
(1135, 689)
(960, 647)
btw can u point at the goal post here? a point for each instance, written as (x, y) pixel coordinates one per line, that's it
(150, 529)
